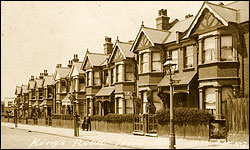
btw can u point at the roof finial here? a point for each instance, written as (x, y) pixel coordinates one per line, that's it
(142, 24)
(87, 50)
(117, 38)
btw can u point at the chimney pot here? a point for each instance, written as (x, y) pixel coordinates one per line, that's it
(32, 78)
(162, 22)
(108, 45)
(188, 16)
(58, 65)
(221, 4)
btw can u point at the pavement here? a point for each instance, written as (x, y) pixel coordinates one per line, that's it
(129, 140)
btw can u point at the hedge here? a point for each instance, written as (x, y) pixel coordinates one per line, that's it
(115, 117)
(181, 115)
(184, 115)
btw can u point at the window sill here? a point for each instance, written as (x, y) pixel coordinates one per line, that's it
(217, 62)
(150, 73)
(188, 69)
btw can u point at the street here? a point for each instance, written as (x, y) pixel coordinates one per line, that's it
(12, 138)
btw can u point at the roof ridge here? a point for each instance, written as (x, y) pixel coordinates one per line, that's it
(221, 6)
(97, 53)
(156, 29)
(125, 42)
(231, 3)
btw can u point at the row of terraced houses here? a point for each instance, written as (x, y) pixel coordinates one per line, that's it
(211, 50)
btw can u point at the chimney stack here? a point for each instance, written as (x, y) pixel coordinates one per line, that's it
(108, 45)
(45, 73)
(41, 76)
(162, 22)
(58, 65)
(221, 4)
(188, 16)
(70, 64)
(32, 78)
(75, 59)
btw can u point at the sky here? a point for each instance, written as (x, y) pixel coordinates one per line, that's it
(38, 35)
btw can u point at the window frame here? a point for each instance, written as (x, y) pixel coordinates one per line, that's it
(113, 77)
(224, 35)
(187, 56)
(173, 60)
(210, 50)
(144, 62)
(95, 79)
(128, 71)
(105, 77)
(152, 62)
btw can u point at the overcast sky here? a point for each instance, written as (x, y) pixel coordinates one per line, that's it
(38, 35)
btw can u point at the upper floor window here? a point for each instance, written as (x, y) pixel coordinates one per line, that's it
(97, 78)
(209, 47)
(156, 62)
(40, 93)
(105, 77)
(88, 79)
(119, 73)
(188, 56)
(145, 63)
(112, 75)
(174, 55)
(50, 92)
(226, 48)
(129, 72)
(33, 94)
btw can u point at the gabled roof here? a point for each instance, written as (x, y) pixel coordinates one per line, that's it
(155, 36)
(48, 80)
(225, 14)
(124, 47)
(180, 26)
(242, 7)
(31, 84)
(39, 83)
(62, 72)
(24, 88)
(96, 59)
(18, 90)
(77, 66)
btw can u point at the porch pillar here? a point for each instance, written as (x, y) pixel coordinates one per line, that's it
(100, 108)
(218, 102)
(201, 98)
(91, 106)
(123, 105)
(116, 106)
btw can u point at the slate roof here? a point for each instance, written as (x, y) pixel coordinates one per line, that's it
(78, 67)
(18, 90)
(155, 35)
(39, 83)
(97, 59)
(125, 48)
(24, 88)
(63, 72)
(242, 7)
(48, 80)
(185, 78)
(31, 84)
(180, 26)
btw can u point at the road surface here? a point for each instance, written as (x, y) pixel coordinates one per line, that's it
(12, 138)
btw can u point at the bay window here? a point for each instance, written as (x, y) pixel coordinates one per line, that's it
(88, 79)
(96, 78)
(226, 48)
(156, 62)
(119, 73)
(129, 72)
(188, 56)
(209, 47)
(81, 84)
(145, 63)
(112, 75)
(105, 77)
(63, 86)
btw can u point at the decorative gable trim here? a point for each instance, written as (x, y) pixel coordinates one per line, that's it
(143, 42)
(86, 63)
(135, 44)
(203, 7)
(74, 72)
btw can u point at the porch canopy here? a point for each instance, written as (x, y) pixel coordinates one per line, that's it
(66, 100)
(182, 86)
(35, 104)
(43, 103)
(21, 106)
(104, 93)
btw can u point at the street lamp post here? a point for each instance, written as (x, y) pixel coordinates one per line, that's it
(170, 66)
(76, 127)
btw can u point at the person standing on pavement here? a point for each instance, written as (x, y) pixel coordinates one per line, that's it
(88, 123)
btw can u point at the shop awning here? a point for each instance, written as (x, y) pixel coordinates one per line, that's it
(66, 100)
(35, 104)
(184, 79)
(105, 91)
